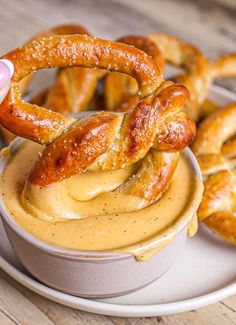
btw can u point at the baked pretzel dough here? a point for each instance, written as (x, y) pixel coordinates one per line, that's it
(120, 90)
(105, 140)
(210, 145)
(42, 125)
(120, 93)
(199, 72)
(73, 87)
(217, 162)
(218, 204)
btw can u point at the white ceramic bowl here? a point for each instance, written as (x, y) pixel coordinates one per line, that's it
(84, 273)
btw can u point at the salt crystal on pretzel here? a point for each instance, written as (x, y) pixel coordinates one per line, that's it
(105, 140)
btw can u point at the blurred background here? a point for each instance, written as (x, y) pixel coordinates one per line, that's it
(209, 24)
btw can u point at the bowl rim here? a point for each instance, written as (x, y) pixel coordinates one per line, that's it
(50, 249)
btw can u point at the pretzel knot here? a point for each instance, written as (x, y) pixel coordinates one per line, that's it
(104, 140)
(215, 149)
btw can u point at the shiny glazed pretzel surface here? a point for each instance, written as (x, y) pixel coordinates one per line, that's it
(217, 160)
(73, 87)
(145, 118)
(155, 129)
(199, 72)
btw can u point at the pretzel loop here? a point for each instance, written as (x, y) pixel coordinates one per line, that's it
(199, 72)
(104, 140)
(121, 91)
(73, 87)
(68, 51)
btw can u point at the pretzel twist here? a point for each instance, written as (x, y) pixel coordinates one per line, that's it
(218, 168)
(113, 140)
(121, 94)
(105, 140)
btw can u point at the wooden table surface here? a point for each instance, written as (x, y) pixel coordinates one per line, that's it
(211, 25)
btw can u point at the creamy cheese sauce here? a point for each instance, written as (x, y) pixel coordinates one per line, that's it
(86, 213)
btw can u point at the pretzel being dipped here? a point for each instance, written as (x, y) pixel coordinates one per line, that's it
(120, 139)
(106, 140)
(218, 168)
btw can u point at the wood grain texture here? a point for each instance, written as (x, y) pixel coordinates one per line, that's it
(211, 25)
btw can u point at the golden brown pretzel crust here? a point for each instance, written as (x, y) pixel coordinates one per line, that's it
(196, 77)
(72, 91)
(113, 141)
(121, 94)
(218, 203)
(73, 88)
(43, 125)
(212, 133)
(120, 90)
(224, 66)
(106, 140)
(199, 72)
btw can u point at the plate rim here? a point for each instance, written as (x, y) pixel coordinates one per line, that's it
(112, 309)
(105, 308)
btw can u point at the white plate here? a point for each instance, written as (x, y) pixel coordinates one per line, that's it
(204, 273)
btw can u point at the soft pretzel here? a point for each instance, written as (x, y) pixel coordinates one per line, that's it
(217, 165)
(105, 140)
(6, 135)
(196, 76)
(42, 125)
(199, 72)
(210, 145)
(218, 204)
(224, 66)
